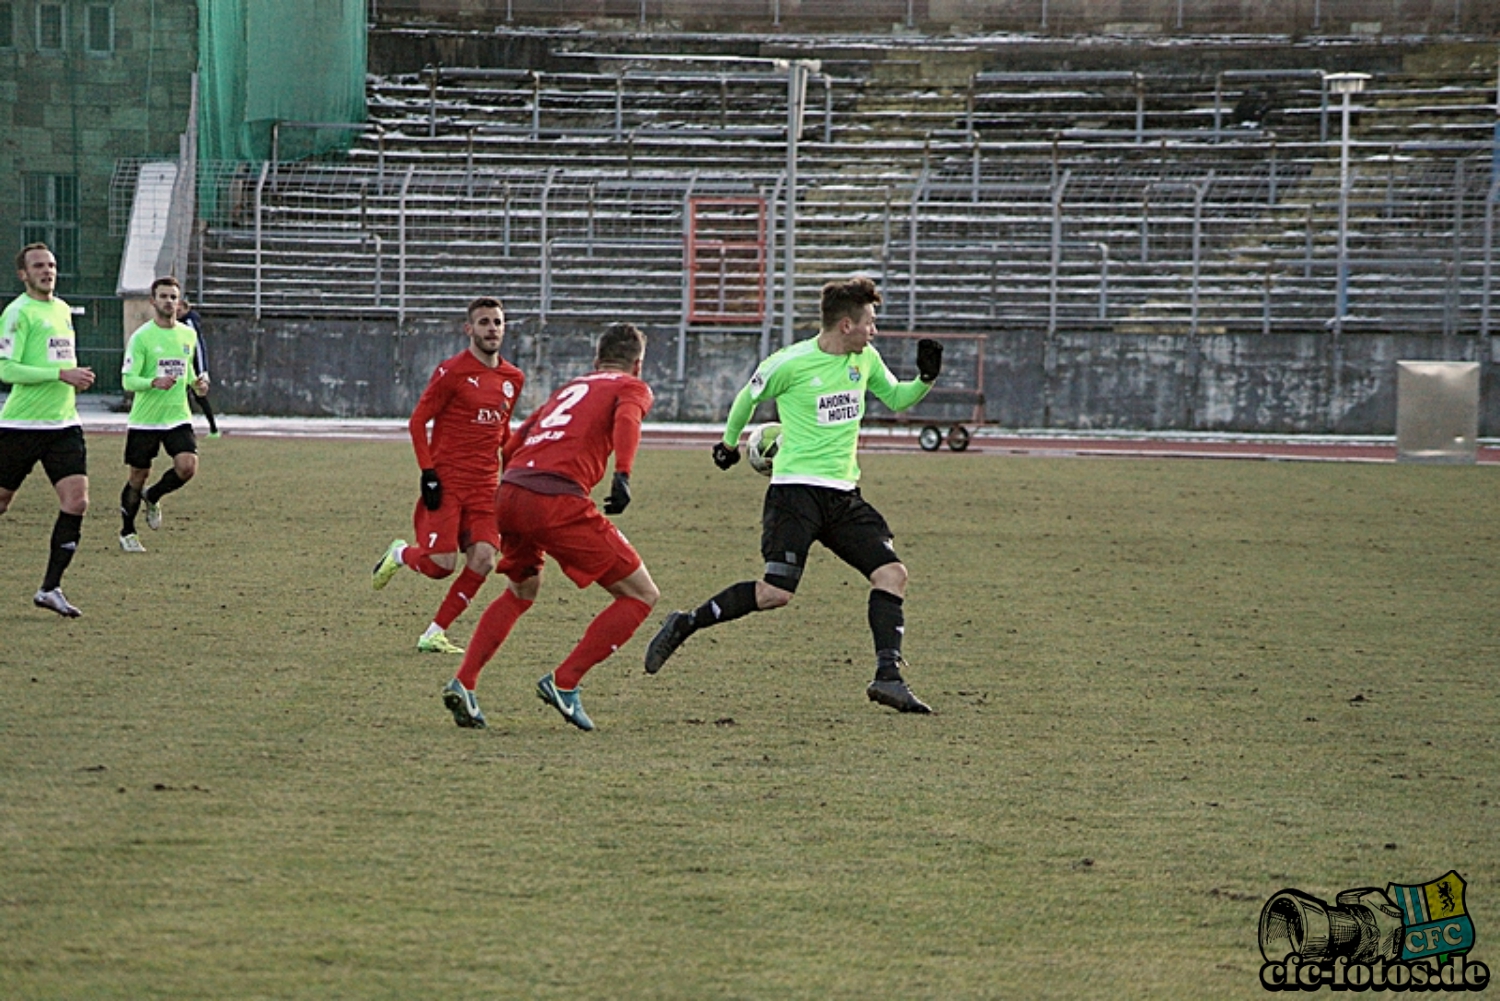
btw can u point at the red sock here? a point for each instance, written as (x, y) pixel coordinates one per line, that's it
(494, 625)
(610, 630)
(460, 595)
(420, 560)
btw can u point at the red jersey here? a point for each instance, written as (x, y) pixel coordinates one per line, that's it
(566, 443)
(469, 405)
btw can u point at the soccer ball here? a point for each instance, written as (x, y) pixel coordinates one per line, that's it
(761, 448)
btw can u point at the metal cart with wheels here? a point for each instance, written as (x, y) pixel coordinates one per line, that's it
(931, 437)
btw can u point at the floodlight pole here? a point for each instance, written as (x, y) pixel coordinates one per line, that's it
(1347, 85)
(1492, 198)
(796, 98)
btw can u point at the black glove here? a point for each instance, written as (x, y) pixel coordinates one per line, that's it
(432, 489)
(929, 359)
(724, 456)
(619, 494)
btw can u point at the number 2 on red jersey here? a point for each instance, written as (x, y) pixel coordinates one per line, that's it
(567, 398)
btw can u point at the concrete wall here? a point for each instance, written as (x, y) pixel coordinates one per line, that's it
(1245, 383)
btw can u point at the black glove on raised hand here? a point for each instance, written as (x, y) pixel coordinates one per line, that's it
(432, 489)
(724, 456)
(929, 359)
(619, 494)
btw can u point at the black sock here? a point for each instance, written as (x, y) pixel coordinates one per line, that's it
(887, 623)
(208, 411)
(66, 532)
(169, 482)
(130, 506)
(735, 601)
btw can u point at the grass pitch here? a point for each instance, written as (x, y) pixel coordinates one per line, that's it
(1165, 690)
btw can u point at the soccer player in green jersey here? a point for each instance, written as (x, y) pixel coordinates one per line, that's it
(39, 358)
(819, 387)
(160, 362)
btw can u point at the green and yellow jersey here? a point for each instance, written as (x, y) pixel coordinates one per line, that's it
(36, 345)
(820, 400)
(155, 351)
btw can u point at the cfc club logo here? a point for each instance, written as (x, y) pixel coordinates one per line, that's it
(1402, 938)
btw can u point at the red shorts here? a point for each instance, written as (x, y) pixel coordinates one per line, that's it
(463, 519)
(588, 547)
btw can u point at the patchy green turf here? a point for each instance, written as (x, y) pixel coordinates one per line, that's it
(1165, 691)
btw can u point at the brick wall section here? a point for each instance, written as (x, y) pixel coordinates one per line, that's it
(77, 112)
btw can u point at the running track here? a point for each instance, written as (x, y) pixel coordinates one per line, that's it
(985, 442)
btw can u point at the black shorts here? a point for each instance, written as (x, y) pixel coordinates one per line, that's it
(61, 452)
(796, 516)
(141, 444)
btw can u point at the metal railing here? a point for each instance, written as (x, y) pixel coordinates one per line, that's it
(1189, 216)
(98, 323)
(1095, 247)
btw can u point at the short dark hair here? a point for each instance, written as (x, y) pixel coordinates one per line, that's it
(620, 344)
(484, 302)
(848, 298)
(165, 280)
(21, 255)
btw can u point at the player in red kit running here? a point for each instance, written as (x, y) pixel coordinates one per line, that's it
(551, 463)
(468, 401)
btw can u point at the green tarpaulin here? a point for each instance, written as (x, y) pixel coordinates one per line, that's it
(288, 61)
